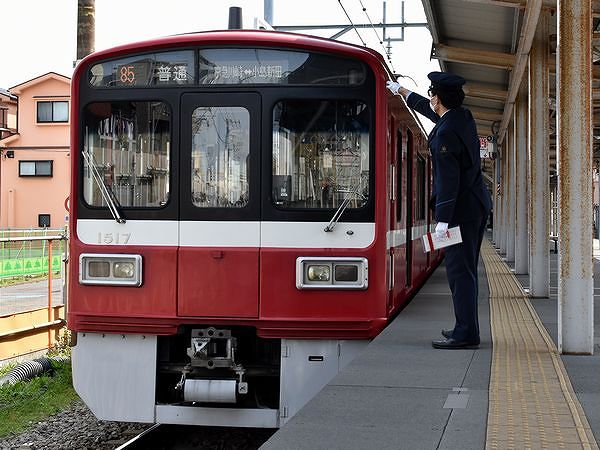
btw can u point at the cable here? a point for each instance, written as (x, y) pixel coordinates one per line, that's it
(399, 75)
(377, 34)
(352, 23)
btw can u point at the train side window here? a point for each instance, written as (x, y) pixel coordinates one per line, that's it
(421, 188)
(399, 175)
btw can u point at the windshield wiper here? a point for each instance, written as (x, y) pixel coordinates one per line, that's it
(351, 195)
(107, 195)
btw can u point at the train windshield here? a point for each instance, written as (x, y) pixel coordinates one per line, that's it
(227, 134)
(320, 153)
(127, 146)
(220, 152)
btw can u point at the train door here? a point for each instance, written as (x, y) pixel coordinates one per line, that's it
(398, 239)
(219, 228)
(419, 260)
(429, 190)
(409, 205)
(392, 224)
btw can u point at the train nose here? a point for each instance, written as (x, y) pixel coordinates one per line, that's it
(218, 282)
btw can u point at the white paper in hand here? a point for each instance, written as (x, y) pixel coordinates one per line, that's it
(432, 242)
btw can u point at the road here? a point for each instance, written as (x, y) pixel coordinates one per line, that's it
(28, 296)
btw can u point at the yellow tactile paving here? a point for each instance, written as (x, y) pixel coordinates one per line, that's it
(531, 401)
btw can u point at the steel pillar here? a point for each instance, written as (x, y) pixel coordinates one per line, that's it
(502, 217)
(539, 167)
(521, 215)
(510, 198)
(574, 152)
(496, 205)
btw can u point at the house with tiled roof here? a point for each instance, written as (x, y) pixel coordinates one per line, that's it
(35, 152)
(8, 113)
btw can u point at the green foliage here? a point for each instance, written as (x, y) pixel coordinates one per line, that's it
(28, 402)
(7, 368)
(61, 347)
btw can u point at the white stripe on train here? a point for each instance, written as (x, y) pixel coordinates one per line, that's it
(225, 234)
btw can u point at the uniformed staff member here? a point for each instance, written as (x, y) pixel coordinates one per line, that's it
(459, 196)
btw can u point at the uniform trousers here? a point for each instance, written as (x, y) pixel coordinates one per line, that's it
(461, 268)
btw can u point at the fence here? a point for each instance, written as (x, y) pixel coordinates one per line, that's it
(23, 254)
(32, 290)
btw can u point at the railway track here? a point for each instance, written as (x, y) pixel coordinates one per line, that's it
(182, 437)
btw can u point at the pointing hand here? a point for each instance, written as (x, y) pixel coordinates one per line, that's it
(394, 87)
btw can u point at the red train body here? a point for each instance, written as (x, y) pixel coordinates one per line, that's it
(246, 213)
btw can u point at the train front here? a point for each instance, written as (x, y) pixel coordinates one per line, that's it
(227, 249)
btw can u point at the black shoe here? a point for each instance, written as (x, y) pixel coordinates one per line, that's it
(454, 344)
(447, 333)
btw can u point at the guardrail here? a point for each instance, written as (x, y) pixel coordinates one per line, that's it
(34, 325)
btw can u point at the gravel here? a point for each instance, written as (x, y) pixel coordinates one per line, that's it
(77, 428)
(74, 428)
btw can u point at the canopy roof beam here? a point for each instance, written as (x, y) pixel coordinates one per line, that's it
(530, 21)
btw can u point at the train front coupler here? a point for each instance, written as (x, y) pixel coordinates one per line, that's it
(211, 349)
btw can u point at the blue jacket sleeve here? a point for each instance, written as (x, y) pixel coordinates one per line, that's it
(421, 105)
(447, 174)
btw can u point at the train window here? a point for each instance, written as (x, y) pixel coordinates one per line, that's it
(127, 149)
(150, 69)
(421, 189)
(220, 153)
(399, 156)
(320, 153)
(268, 66)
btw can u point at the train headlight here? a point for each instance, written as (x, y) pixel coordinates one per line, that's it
(318, 272)
(331, 273)
(124, 269)
(99, 269)
(110, 269)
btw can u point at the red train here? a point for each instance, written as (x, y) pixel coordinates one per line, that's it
(246, 214)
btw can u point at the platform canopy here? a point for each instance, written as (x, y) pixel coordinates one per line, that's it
(487, 42)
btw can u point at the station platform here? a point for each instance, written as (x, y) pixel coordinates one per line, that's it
(514, 392)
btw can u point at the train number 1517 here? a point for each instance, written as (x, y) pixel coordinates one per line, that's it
(113, 238)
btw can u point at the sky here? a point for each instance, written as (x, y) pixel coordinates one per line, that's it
(41, 35)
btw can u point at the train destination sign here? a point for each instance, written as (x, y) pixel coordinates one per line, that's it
(229, 66)
(272, 66)
(155, 69)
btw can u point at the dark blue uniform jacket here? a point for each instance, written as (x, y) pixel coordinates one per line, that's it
(459, 194)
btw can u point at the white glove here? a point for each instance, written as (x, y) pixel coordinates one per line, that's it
(394, 87)
(441, 230)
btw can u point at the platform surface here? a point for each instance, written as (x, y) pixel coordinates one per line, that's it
(403, 394)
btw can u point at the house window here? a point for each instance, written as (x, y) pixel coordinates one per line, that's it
(48, 112)
(3, 117)
(35, 168)
(44, 220)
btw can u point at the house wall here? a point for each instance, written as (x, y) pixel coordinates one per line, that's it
(22, 199)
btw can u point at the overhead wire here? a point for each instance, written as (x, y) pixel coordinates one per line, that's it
(352, 23)
(380, 40)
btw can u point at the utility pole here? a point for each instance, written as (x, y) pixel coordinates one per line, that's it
(86, 26)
